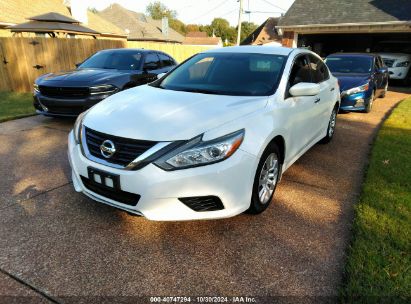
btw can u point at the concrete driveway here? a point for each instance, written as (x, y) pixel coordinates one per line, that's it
(59, 246)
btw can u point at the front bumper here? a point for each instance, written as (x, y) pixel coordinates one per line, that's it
(65, 107)
(230, 180)
(355, 102)
(400, 73)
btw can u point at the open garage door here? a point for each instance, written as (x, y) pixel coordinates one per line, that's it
(325, 44)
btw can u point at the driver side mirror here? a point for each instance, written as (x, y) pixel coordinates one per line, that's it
(161, 75)
(305, 89)
(78, 64)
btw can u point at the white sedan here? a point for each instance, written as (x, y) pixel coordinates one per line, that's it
(210, 139)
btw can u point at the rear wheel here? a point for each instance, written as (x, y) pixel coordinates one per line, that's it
(385, 91)
(331, 127)
(266, 179)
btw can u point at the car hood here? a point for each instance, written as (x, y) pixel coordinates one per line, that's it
(150, 113)
(396, 56)
(349, 81)
(82, 77)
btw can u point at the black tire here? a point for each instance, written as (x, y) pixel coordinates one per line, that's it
(385, 91)
(331, 127)
(258, 205)
(368, 106)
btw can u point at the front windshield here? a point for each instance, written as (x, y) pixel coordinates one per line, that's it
(227, 74)
(350, 64)
(123, 60)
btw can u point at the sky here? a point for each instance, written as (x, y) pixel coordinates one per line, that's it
(204, 11)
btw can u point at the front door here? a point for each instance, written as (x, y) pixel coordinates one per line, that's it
(304, 109)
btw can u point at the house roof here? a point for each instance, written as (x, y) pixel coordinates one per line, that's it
(53, 17)
(14, 12)
(138, 26)
(316, 12)
(202, 40)
(51, 26)
(196, 34)
(265, 33)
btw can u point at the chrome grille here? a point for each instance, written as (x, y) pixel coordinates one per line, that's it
(127, 149)
(64, 92)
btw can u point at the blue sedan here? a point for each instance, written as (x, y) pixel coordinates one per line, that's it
(362, 78)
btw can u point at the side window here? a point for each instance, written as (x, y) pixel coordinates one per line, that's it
(152, 62)
(165, 60)
(320, 71)
(300, 72)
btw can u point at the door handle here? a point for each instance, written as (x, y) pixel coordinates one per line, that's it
(332, 89)
(317, 100)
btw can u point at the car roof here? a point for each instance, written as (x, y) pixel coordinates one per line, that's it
(130, 49)
(355, 54)
(256, 49)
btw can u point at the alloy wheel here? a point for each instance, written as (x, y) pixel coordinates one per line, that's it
(268, 178)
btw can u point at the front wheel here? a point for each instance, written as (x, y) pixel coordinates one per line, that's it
(368, 106)
(331, 127)
(265, 180)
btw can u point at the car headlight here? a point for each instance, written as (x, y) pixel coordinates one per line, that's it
(359, 89)
(36, 88)
(402, 64)
(78, 125)
(105, 89)
(200, 153)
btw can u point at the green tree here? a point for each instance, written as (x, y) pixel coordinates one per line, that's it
(193, 28)
(178, 26)
(221, 28)
(246, 29)
(158, 10)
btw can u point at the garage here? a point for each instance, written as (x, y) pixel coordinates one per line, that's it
(325, 44)
(325, 27)
(334, 25)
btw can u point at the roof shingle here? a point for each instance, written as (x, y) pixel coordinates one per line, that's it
(17, 11)
(314, 12)
(138, 26)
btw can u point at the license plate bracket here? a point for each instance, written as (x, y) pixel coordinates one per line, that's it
(105, 179)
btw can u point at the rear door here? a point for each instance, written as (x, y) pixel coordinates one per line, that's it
(151, 67)
(380, 76)
(324, 103)
(167, 63)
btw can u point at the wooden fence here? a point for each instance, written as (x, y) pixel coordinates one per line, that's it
(22, 60)
(178, 51)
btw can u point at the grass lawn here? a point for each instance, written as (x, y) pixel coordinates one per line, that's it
(15, 105)
(379, 258)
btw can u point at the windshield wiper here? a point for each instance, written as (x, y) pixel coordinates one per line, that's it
(202, 91)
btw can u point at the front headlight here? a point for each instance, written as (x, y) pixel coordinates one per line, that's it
(359, 89)
(402, 64)
(78, 127)
(200, 153)
(105, 89)
(36, 88)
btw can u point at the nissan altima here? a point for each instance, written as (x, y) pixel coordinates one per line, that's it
(210, 139)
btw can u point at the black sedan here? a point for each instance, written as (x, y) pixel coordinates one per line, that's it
(101, 75)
